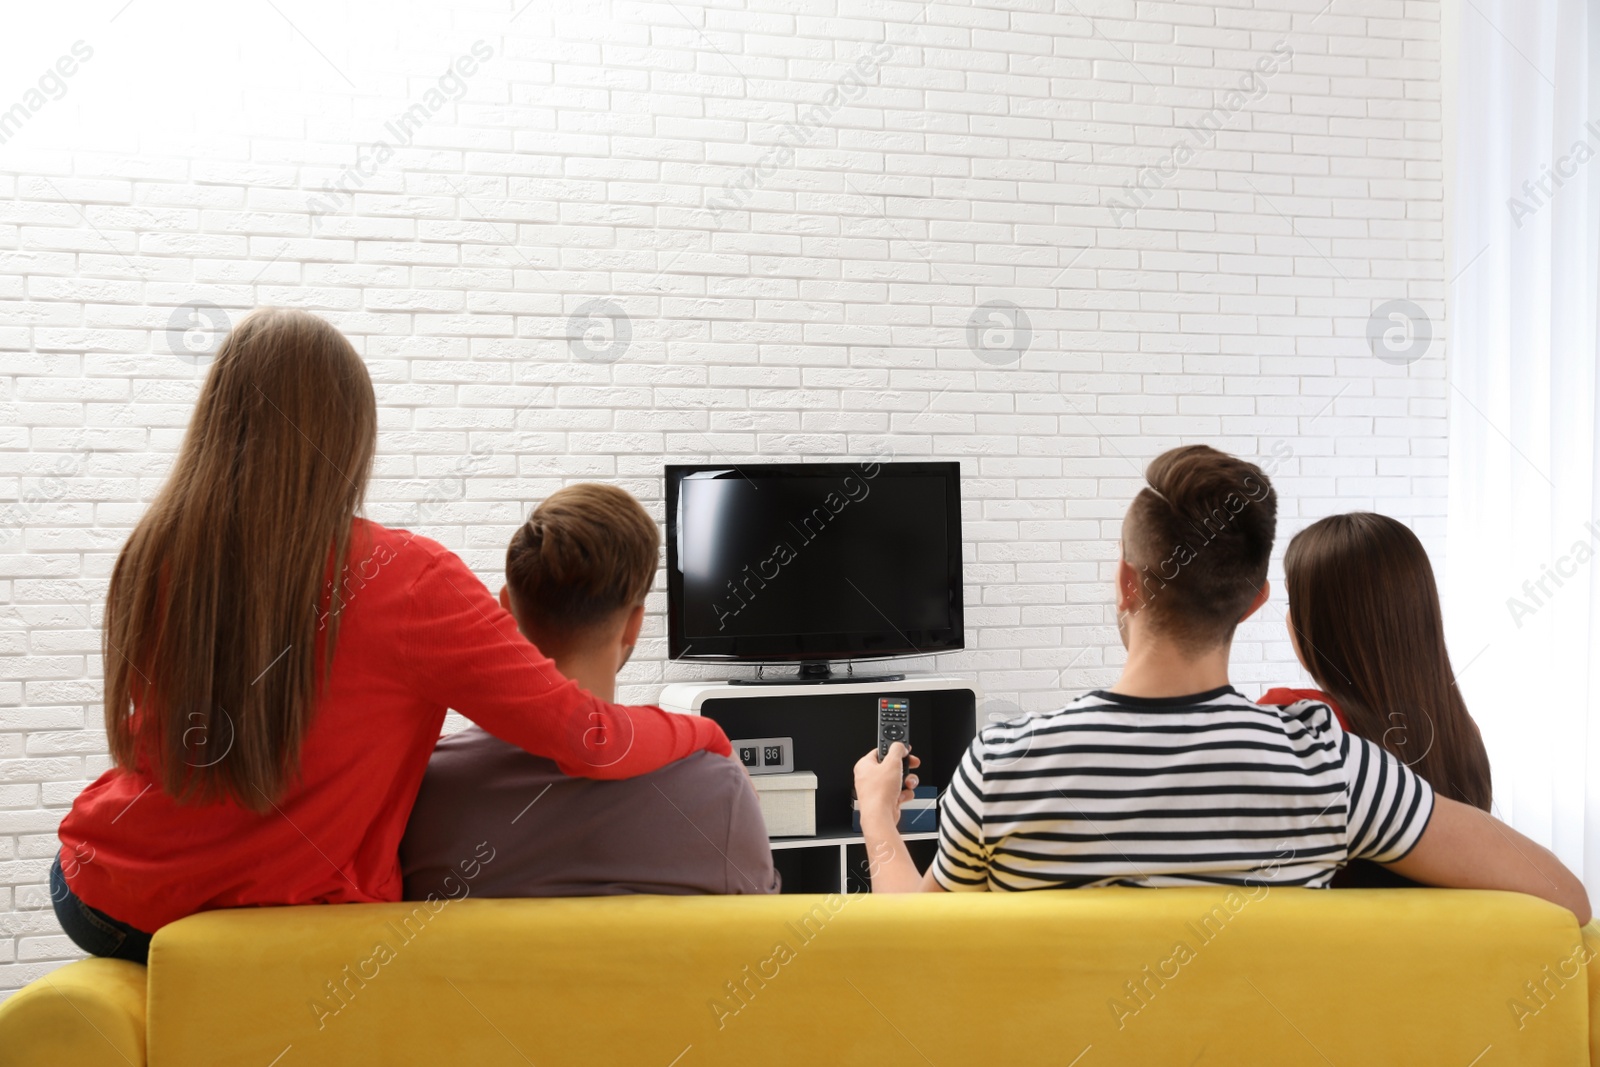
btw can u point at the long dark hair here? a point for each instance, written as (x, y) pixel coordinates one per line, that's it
(219, 624)
(1365, 612)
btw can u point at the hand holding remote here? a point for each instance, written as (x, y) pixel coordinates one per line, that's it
(883, 784)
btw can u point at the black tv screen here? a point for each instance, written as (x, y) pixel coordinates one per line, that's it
(813, 561)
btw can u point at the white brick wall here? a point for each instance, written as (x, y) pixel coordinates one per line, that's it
(803, 302)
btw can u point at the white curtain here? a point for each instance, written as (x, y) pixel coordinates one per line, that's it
(1523, 541)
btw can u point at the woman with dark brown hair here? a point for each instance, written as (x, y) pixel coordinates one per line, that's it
(277, 669)
(1365, 622)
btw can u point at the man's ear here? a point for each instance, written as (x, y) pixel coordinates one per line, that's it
(1128, 592)
(630, 632)
(630, 635)
(505, 602)
(1262, 596)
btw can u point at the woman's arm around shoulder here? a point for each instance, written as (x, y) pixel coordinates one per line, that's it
(463, 650)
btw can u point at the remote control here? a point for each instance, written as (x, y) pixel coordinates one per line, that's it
(894, 724)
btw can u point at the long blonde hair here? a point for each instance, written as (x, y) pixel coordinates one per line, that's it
(220, 620)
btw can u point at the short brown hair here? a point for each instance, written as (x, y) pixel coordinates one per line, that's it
(584, 554)
(1200, 536)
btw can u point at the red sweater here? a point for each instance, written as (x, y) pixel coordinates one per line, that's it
(420, 634)
(1282, 697)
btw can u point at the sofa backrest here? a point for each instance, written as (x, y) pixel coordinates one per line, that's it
(1088, 977)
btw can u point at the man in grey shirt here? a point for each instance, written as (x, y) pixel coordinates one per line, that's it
(576, 577)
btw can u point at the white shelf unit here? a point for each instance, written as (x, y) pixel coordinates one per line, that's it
(833, 724)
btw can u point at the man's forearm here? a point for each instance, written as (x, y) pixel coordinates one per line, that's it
(891, 867)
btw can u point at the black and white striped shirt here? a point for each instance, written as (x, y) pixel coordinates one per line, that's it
(1209, 789)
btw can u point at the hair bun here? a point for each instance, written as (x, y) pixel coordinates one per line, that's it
(1196, 481)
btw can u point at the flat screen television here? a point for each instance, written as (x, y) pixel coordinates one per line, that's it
(812, 562)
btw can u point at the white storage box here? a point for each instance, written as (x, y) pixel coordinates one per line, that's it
(788, 803)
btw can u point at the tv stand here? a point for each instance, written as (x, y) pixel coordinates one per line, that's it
(833, 726)
(819, 673)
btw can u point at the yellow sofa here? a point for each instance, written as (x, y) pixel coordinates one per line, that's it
(1085, 978)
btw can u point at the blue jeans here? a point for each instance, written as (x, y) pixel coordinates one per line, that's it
(93, 930)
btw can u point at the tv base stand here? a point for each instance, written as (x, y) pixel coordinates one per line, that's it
(819, 673)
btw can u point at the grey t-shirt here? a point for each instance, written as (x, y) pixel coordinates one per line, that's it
(691, 827)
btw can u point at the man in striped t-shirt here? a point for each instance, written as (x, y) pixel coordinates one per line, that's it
(1171, 777)
(1208, 788)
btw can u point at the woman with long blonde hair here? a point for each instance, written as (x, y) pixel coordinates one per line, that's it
(277, 669)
